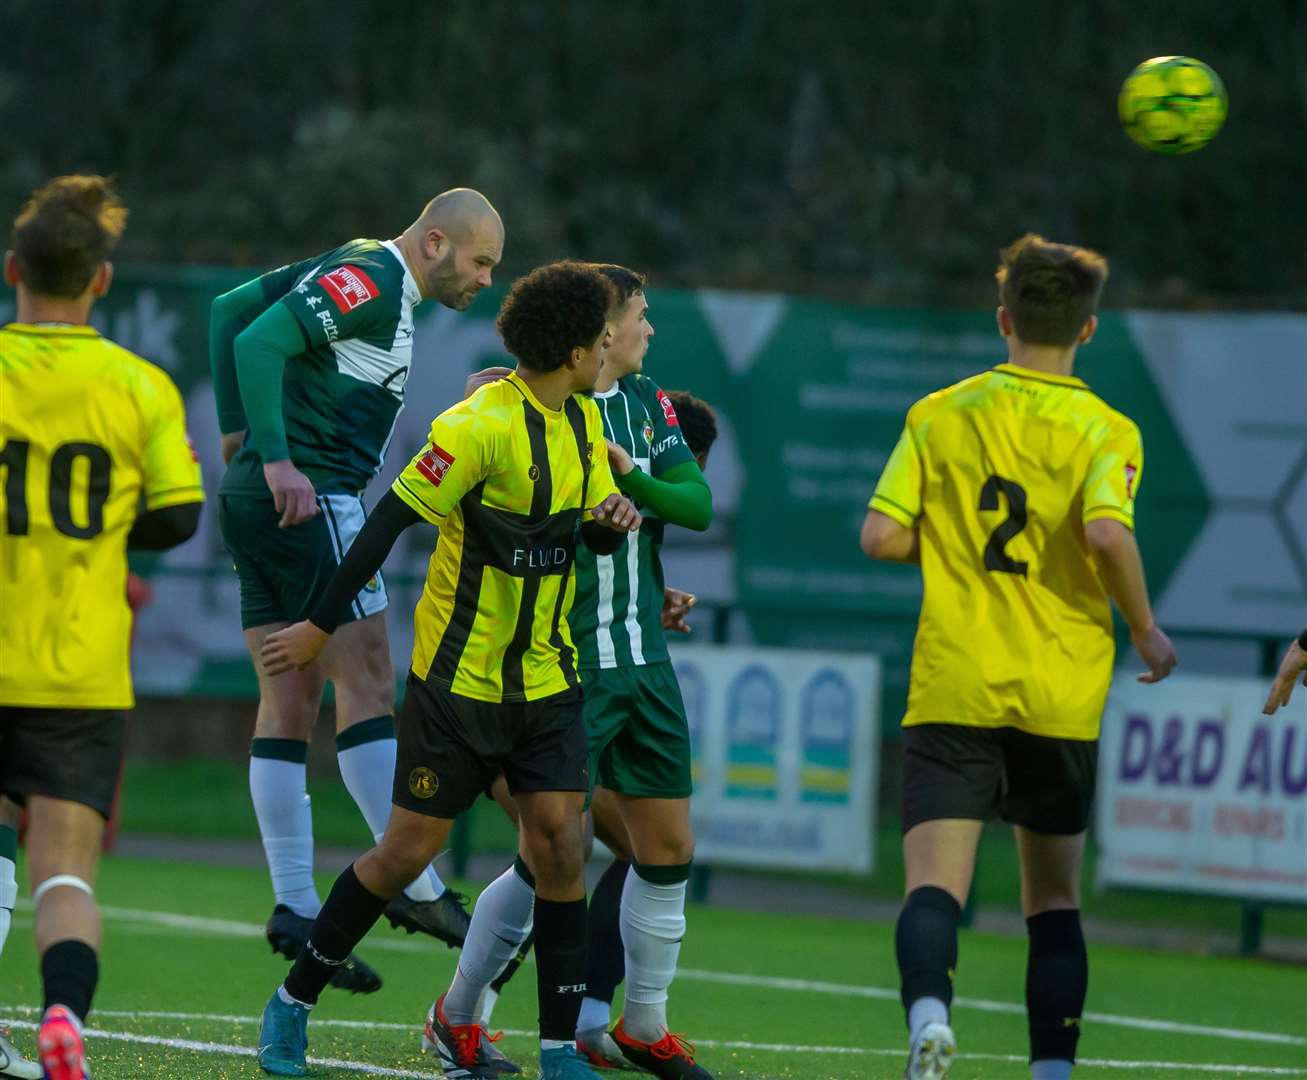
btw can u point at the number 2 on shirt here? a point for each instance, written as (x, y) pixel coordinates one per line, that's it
(996, 556)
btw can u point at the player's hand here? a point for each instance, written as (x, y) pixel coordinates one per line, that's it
(676, 606)
(478, 379)
(1158, 653)
(1293, 665)
(618, 459)
(292, 492)
(618, 513)
(297, 646)
(230, 444)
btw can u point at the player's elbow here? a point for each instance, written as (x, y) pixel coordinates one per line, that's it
(877, 535)
(1107, 537)
(701, 514)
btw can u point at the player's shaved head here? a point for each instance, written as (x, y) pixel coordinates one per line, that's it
(452, 247)
(459, 213)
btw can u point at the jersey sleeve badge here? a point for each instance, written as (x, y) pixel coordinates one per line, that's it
(1130, 472)
(669, 410)
(435, 464)
(349, 287)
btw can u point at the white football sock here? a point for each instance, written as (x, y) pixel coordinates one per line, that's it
(368, 770)
(923, 1011)
(501, 921)
(488, 1000)
(281, 803)
(595, 1015)
(653, 924)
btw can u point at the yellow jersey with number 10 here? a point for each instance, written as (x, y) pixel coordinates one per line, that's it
(1000, 473)
(88, 433)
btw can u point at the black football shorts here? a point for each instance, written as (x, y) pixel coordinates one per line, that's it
(955, 771)
(451, 747)
(73, 754)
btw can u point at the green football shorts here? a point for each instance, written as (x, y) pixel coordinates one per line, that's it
(283, 572)
(639, 736)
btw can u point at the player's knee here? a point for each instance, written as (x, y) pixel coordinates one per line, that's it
(1046, 897)
(398, 864)
(556, 846)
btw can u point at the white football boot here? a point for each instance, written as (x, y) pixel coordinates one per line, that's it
(932, 1053)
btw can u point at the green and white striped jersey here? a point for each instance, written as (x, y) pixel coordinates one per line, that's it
(616, 617)
(341, 397)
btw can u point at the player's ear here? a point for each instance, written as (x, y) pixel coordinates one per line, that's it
(437, 242)
(1088, 331)
(1004, 319)
(102, 279)
(11, 270)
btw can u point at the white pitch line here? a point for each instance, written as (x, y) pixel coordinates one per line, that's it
(241, 1051)
(879, 993)
(728, 1044)
(231, 928)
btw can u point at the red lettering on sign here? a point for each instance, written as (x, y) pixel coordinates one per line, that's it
(1153, 814)
(349, 287)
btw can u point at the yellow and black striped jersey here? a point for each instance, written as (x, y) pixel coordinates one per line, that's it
(509, 482)
(89, 433)
(1000, 473)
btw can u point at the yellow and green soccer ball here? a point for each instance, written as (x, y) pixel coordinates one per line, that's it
(1172, 104)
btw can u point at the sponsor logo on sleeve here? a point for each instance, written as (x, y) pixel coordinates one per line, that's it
(667, 443)
(349, 287)
(1131, 471)
(669, 411)
(434, 464)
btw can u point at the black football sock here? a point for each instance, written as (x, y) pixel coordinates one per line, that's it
(348, 914)
(70, 971)
(1057, 980)
(560, 966)
(926, 942)
(606, 965)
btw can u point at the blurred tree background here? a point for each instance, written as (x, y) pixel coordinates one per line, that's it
(872, 151)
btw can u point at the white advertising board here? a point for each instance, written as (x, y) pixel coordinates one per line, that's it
(1198, 791)
(785, 755)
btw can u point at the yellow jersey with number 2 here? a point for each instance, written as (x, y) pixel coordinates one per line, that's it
(89, 433)
(1000, 473)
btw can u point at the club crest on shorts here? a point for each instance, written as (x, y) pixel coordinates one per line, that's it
(423, 783)
(533, 473)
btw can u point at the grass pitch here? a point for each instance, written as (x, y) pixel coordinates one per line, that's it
(186, 973)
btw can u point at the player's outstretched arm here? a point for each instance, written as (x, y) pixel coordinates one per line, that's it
(298, 645)
(1293, 665)
(681, 496)
(884, 538)
(1122, 570)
